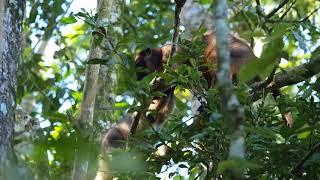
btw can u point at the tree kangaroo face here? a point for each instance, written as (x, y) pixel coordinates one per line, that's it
(147, 61)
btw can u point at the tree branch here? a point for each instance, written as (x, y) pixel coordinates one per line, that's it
(175, 37)
(286, 78)
(298, 168)
(293, 21)
(264, 84)
(274, 11)
(286, 12)
(298, 74)
(135, 123)
(305, 18)
(259, 10)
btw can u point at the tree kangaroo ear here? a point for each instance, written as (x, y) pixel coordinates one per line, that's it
(208, 37)
(148, 52)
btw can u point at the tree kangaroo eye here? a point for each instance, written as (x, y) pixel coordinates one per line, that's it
(141, 63)
(150, 117)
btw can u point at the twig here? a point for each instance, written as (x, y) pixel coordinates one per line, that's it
(274, 11)
(285, 13)
(130, 24)
(182, 123)
(298, 168)
(293, 21)
(284, 21)
(259, 10)
(299, 73)
(305, 18)
(175, 37)
(265, 83)
(247, 20)
(159, 136)
(262, 14)
(135, 123)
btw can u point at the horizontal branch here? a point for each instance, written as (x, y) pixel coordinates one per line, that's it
(298, 74)
(286, 78)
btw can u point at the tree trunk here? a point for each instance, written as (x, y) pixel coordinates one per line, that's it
(193, 16)
(81, 163)
(233, 111)
(11, 16)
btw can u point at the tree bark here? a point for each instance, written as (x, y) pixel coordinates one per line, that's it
(11, 16)
(92, 70)
(193, 16)
(81, 163)
(232, 110)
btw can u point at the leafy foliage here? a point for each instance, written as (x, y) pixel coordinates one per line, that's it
(196, 146)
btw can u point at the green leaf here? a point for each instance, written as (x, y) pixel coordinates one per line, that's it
(97, 61)
(55, 116)
(157, 94)
(304, 135)
(316, 52)
(133, 161)
(198, 136)
(314, 159)
(178, 178)
(280, 139)
(120, 105)
(83, 14)
(236, 165)
(68, 20)
(205, 1)
(263, 131)
(256, 67)
(307, 93)
(269, 58)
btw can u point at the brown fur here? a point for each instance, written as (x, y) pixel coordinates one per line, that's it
(153, 60)
(120, 132)
(116, 135)
(240, 53)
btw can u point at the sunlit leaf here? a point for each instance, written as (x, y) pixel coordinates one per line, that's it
(68, 20)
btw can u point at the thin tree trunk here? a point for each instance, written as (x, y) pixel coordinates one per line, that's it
(11, 16)
(193, 16)
(81, 163)
(233, 111)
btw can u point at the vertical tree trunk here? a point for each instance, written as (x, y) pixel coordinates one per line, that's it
(233, 111)
(81, 163)
(92, 71)
(11, 16)
(193, 16)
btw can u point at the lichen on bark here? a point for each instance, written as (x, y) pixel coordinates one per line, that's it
(10, 51)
